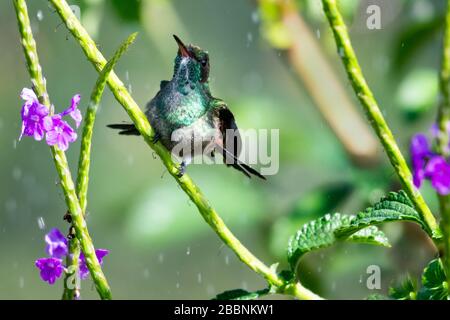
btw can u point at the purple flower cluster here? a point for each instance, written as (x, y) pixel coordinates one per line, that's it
(52, 268)
(429, 165)
(36, 121)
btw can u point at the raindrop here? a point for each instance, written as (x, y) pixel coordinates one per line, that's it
(341, 51)
(318, 33)
(255, 16)
(227, 260)
(333, 286)
(130, 160)
(40, 15)
(21, 282)
(210, 289)
(178, 285)
(188, 250)
(249, 38)
(360, 279)
(41, 223)
(15, 144)
(161, 258)
(199, 277)
(244, 285)
(146, 273)
(319, 269)
(17, 173)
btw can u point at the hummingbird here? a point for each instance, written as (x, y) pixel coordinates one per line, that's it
(187, 119)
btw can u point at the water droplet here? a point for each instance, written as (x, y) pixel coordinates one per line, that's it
(146, 273)
(178, 285)
(161, 258)
(227, 260)
(318, 33)
(40, 15)
(17, 173)
(210, 289)
(15, 144)
(41, 223)
(255, 16)
(199, 277)
(249, 38)
(360, 279)
(188, 250)
(341, 51)
(21, 282)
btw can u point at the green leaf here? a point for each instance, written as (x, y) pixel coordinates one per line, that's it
(320, 233)
(434, 284)
(370, 235)
(394, 207)
(240, 294)
(407, 290)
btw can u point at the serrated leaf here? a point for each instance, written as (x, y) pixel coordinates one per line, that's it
(394, 207)
(407, 290)
(240, 294)
(370, 235)
(320, 233)
(434, 284)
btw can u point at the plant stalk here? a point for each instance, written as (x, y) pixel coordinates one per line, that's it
(443, 122)
(59, 157)
(374, 114)
(189, 187)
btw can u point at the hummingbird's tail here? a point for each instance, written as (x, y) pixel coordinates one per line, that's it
(239, 165)
(127, 129)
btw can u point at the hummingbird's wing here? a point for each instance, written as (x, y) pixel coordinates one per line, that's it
(230, 142)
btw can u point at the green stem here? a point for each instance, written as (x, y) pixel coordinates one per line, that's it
(374, 114)
(443, 121)
(59, 157)
(85, 153)
(143, 126)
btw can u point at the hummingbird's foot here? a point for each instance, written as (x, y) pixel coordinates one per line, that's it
(156, 138)
(181, 169)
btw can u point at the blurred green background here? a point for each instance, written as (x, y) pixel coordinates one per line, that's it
(160, 246)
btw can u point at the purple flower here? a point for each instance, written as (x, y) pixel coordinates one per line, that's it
(420, 151)
(36, 121)
(59, 132)
(56, 244)
(33, 114)
(73, 111)
(438, 171)
(51, 269)
(84, 271)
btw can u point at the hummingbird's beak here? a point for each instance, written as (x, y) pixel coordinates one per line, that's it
(184, 51)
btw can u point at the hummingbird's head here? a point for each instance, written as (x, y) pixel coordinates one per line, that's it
(191, 63)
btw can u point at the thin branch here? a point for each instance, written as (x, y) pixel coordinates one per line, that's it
(189, 187)
(59, 157)
(443, 122)
(84, 161)
(374, 113)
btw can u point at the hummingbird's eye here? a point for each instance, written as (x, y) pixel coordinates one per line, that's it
(204, 62)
